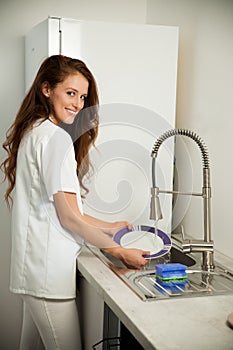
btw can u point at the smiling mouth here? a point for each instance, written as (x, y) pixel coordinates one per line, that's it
(71, 113)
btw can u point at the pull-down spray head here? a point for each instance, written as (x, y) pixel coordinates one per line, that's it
(155, 208)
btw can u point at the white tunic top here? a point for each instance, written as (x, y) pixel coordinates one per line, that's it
(43, 260)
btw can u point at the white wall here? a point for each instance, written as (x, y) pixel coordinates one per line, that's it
(16, 19)
(204, 103)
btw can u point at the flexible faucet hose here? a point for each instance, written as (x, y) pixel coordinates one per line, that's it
(183, 132)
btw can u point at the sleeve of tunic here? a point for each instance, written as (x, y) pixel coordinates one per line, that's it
(58, 164)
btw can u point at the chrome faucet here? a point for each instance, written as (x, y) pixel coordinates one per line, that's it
(205, 246)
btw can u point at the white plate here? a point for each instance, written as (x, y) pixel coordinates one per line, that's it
(143, 237)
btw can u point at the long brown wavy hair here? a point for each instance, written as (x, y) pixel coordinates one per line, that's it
(54, 70)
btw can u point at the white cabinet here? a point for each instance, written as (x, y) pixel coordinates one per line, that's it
(91, 313)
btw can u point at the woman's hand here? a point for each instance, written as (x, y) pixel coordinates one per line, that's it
(132, 258)
(118, 225)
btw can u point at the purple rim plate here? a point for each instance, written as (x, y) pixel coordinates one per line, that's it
(164, 237)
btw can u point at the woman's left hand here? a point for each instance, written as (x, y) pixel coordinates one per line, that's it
(117, 225)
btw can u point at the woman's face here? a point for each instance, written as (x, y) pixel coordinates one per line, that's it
(68, 98)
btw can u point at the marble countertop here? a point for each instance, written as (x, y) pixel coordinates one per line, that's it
(193, 323)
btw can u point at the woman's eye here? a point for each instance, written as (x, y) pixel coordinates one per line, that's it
(71, 93)
(83, 98)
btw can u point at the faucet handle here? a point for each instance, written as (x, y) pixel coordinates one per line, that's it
(198, 246)
(180, 233)
(193, 245)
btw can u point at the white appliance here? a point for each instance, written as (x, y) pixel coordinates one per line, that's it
(135, 66)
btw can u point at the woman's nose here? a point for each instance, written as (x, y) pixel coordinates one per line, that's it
(78, 104)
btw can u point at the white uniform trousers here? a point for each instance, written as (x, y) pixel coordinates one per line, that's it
(50, 324)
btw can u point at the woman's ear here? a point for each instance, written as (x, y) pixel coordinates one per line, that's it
(45, 88)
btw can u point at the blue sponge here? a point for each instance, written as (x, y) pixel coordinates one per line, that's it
(171, 275)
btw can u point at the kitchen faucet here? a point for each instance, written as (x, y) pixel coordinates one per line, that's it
(205, 246)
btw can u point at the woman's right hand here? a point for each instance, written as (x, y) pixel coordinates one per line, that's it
(131, 257)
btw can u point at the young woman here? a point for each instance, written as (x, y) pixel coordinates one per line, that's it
(47, 147)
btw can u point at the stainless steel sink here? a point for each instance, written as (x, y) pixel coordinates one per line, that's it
(143, 283)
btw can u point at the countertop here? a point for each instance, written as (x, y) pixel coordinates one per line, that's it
(193, 323)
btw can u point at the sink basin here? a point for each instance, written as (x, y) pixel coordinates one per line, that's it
(174, 256)
(143, 282)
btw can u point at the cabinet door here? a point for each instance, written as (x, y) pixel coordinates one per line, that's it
(91, 313)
